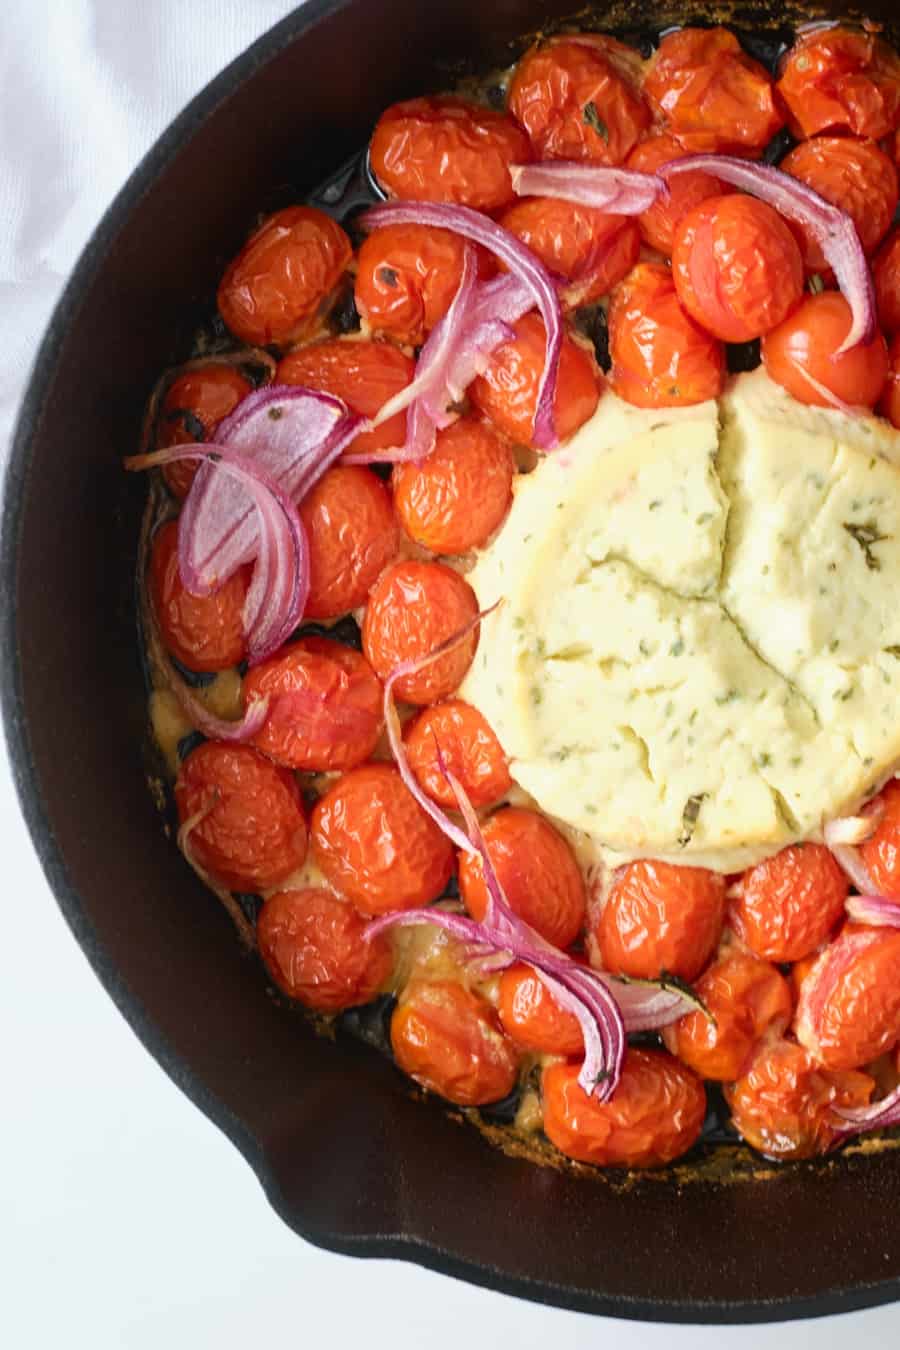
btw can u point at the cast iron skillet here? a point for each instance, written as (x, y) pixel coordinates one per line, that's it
(344, 1154)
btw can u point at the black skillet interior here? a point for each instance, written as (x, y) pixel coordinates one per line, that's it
(346, 1156)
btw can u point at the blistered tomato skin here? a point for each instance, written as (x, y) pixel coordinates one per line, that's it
(747, 1000)
(252, 833)
(194, 405)
(537, 870)
(406, 278)
(889, 406)
(312, 945)
(789, 904)
(881, 853)
(655, 1115)
(203, 632)
(686, 190)
(841, 81)
(532, 1019)
(854, 175)
(446, 149)
(886, 273)
(278, 283)
(660, 917)
(591, 249)
(849, 1008)
(365, 374)
(806, 345)
(324, 706)
(468, 747)
(449, 1040)
(352, 534)
(376, 845)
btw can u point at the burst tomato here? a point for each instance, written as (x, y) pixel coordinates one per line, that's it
(194, 405)
(312, 946)
(838, 80)
(660, 917)
(852, 174)
(406, 278)
(886, 272)
(469, 749)
(454, 500)
(849, 1008)
(801, 355)
(449, 1040)
(352, 534)
(364, 374)
(203, 632)
(591, 249)
(687, 190)
(881, 852)
(532, 1019)
(788, 904)
(889, 406)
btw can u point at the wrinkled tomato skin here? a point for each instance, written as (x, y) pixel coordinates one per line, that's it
(537, 871)
(809, 340)
(789, 904)
(659, 223)
(414, 607)
(312, 946)
(553, 86)
(655, 1115)
(737, 267)
(886, 273)
(454, 500)
(854, 175)
(784, 1104)
(661, 917)
(531, 1018)
(194, 405)
(849, 1008)
(203, 632)
(446, 149)
(660, 357)
(253, 835)
(507, 390)
(278, 283)
(449, 1040)
(365, 374)
(889, 405)
(468, 747)
(324, 706)
(376, 845)
(747, 999)
(406, 278)
(352, 534)
(591, 249)
(711, 94)
(881, 852)
(841, 81)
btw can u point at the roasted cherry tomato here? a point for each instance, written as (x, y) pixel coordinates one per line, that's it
(849, 1008)
(854, 175)
(507, 390)
(747, 999)
(591, 249)
(886, 272)
(324, 706)
(312, 945)
(687, 190)
(447, 149)
(881, 852)
(194, 405)
(578, 98)
(659, 917)
(532, 1019)
(784, 1105)
(712, 95)
(364, 374)
(655, 1114)
(801, 355)
(406, 278)
(660, 357)
(737, 267)
(537, 870)
(468, 747)
(449, 1040)
(249, 832)
(838, 80)
(456, 498)
(352, 534)
(203, 632)
(281, 279)
(414, 607)
(376, 845)
(788, 904)
(889, 405)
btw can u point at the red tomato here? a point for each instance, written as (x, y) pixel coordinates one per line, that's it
(446, 149)
(737, 267)
(324, 706)
(414, 607)
(881, 852)
(312, 946)
(352, 535)
(449, 1040)
(886, 272)
(747, 1000)
(507, 390)
(578, 99)
(454, 500)
(469, 748)
(655, 1115)
(806, 345)
(532, 1019)
(789, 904)
(889, 406)
(658, 224)
(658, 918)
(364, 374)
(712, 95)
(537, 870)
(194, 405)
(660, 357)
(252, 834)
(853, 175)
(591, 249)
(203, 632)
(376, 845)
(838, 80)
(849, 1008)
(406, 278)
(282, 277)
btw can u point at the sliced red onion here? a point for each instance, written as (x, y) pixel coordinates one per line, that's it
(623, 192)
(831, 398)
(217, 728)
(848, 858)
(183, 839)
(875, 910)
(852, 830)
(865, 1119)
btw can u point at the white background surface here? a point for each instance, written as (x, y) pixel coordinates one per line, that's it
(126, 1221)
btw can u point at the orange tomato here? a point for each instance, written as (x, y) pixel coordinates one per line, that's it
(376, 845)
(253, 834)
(352, 534)
(849, 1008)
(406, 278)
(655, 1114)
(194, 405)
(889, 405)
(687, 190)
(838, 80)
(364, 374)
(537, 870)
(591, 249)
(282, 277)
(449, 1040)
(886, 273)
(806, 344)
(312, 946)
(203, 632)
(852, 174)
(469, 748)
(659, 917)
(881, 852)
(532, 1019)
(788, 904)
